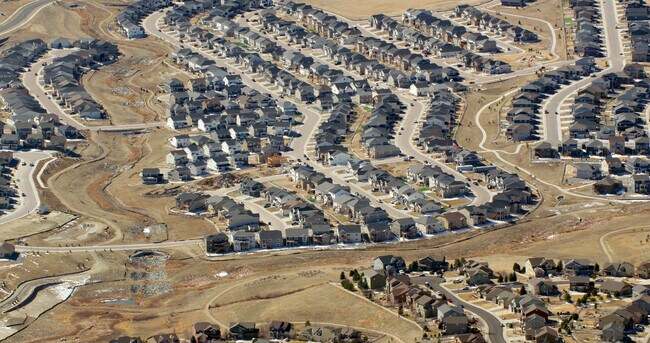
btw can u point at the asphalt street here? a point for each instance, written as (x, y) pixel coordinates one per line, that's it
(32, 81)
(406, 144)
(115, 247)
(495, 333)
(403, 141)
(23, 15)
(24, 177)
(615, 58)
(311, 122)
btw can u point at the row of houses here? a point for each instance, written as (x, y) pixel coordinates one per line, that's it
(531, 311)
(64, 73)
(445, 40)
(29, 126)
(129, 19)
(586, 40)
(444, 30)
(608, 167)
(440, 117)
(493, 24)
(8, 192)
(43, 132)
(331, 134)
(635, 184)
(588, 110)
(235, 216)
(379, 127)
(17, 58)
(637, 14)
(375, 58)
(542, 267)
(524, 115)
(318, 234)
(264, 333)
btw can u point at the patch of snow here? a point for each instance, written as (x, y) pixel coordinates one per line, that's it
(65, 289)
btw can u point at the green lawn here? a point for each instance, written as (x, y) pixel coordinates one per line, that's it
(242, 45)
(569, 22)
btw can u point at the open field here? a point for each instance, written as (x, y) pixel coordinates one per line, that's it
(127, 88)
(543, 10)
(33, 224)
(299, 307)
(633, 241)
(52, 22)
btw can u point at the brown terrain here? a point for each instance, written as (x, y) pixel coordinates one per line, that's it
(100, 190)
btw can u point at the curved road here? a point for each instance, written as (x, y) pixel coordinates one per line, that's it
(615, 58)
(495, 333)
(32, 82)
(405, 143)
(310, 124)
(23, 15)
(25, 181)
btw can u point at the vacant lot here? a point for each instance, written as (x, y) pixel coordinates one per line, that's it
(341, 308)
(128, 88)
(33, 224)
(630, 245)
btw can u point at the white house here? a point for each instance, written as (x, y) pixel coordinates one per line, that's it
(180, 141)
(133, 31)
(338, 158)
(419, 88)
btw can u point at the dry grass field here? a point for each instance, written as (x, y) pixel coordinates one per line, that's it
(30, 267)
(53, 21)
(631, 244)
(8, 7)
(300, 307)
(33, 224)
(542, 11)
